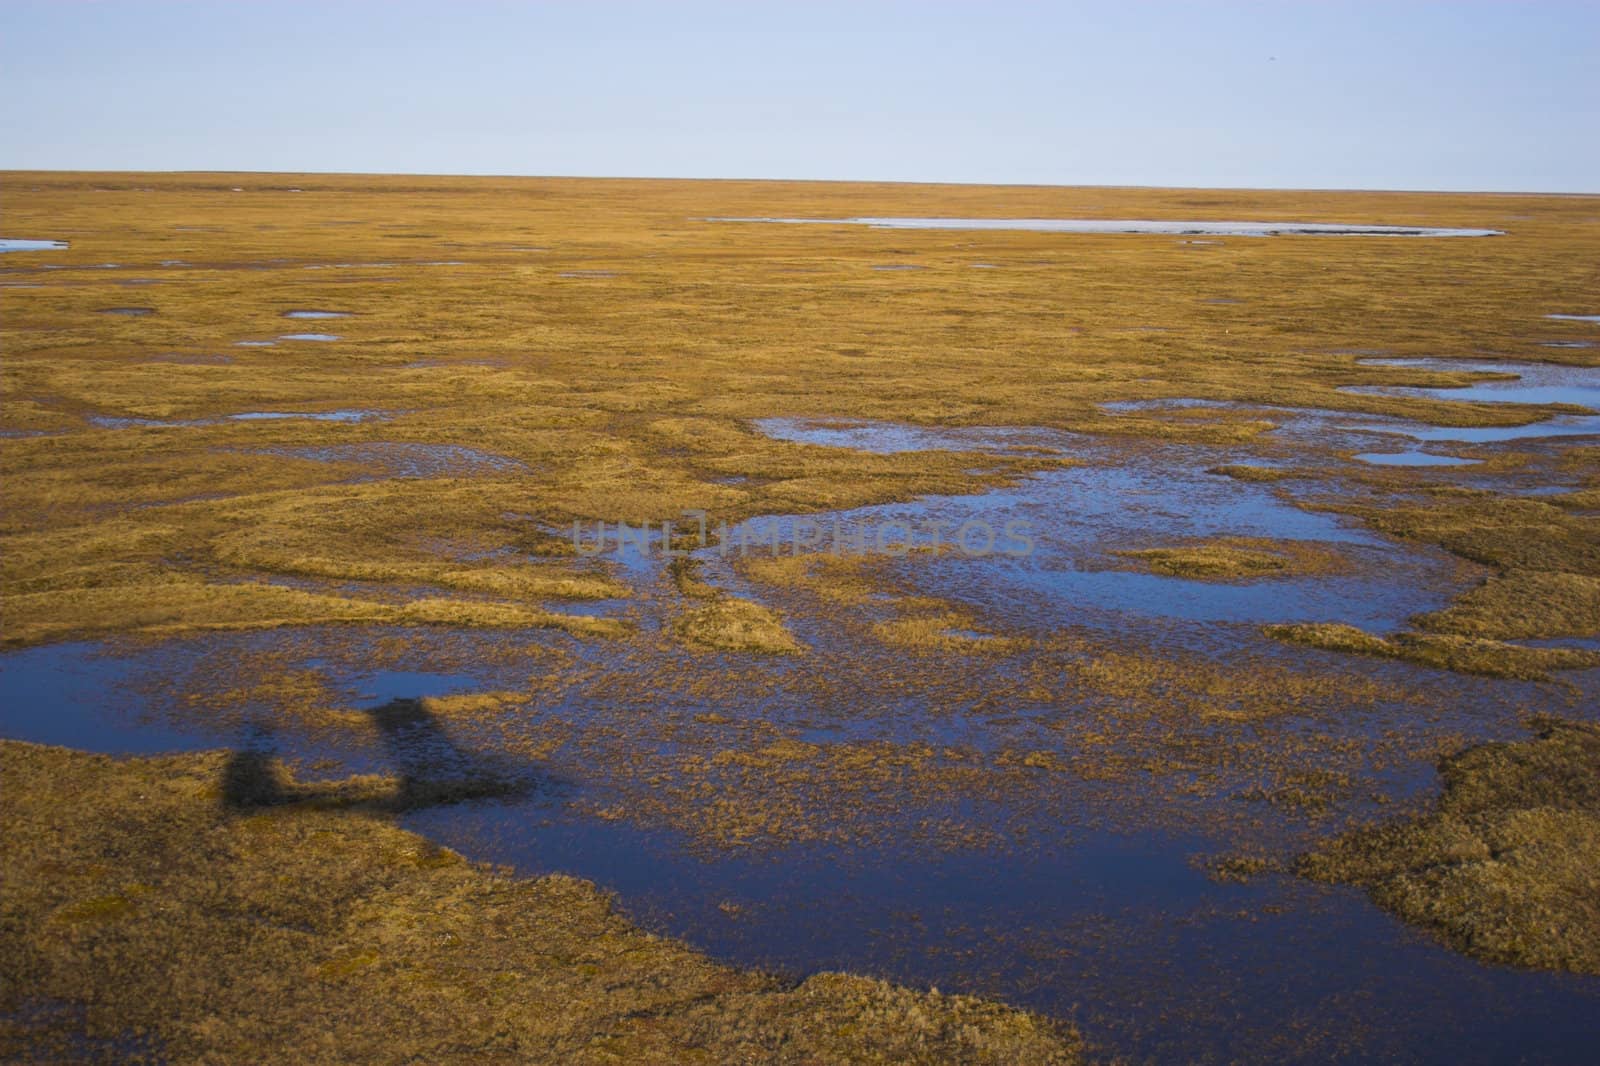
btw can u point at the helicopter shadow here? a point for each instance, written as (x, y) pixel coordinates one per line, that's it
(427, 768)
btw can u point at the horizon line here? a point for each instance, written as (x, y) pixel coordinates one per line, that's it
(813, 181)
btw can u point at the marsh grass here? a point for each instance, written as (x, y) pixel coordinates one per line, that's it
(308, 929)
(307, 926)
(713, 620)
(925, 625)
(175, 604)
(1504, 865)
(1521, 604)
(727, 623)
(1471, 655)
(1236, 558)
(1248, 472)
(705, 327)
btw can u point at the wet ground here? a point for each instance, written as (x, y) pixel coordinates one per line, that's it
(1033, 805)
(356, 414)
(1530, 383)
(405, 459)
(1132, 225)
(1082, 892)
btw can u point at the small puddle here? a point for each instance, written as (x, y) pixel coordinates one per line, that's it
(1137, 225)
(1535, 383)
(406, 459)
(349, 266)
(1347, 428)
(308, 337)
(1576, 318)
(1413, 459)
(317, 314)
(22, 244)
(347, 415)
(132, 312)
(885, 438)
(1566, 426)
(355, 414)
(1177, 403)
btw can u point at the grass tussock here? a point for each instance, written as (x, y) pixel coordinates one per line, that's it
(727, 623)
(712, 620)
(315, 932)
(180, 605)
(1248, 472)
(1236, 558)
(920, 624)
(1470, 655)
(838, 580)
(1504, 867)
(1523, 604)
(944, 631)
(1507, 533)
(471, 703)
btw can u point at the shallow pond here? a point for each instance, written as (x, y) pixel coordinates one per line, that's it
(406, 458)
(1116, 927)
(1563, 426)
(1413, 459)
(353, 414)
(22, 244)
(1535, 383)
(1354, 429)
(1133, 225)
(1076, 517)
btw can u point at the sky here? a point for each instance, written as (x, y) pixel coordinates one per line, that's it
(1292, 94)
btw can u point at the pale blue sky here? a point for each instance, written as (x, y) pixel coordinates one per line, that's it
(1298, 94)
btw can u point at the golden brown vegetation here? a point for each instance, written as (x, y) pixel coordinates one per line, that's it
(1524, 603)
(730, 624)
(603, 350)
(1247, 472)
(1505, 865)
(1469, 654)
(715, 621)
(1230, 558)
(207, 928)
(917, 623)
(609, 342)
